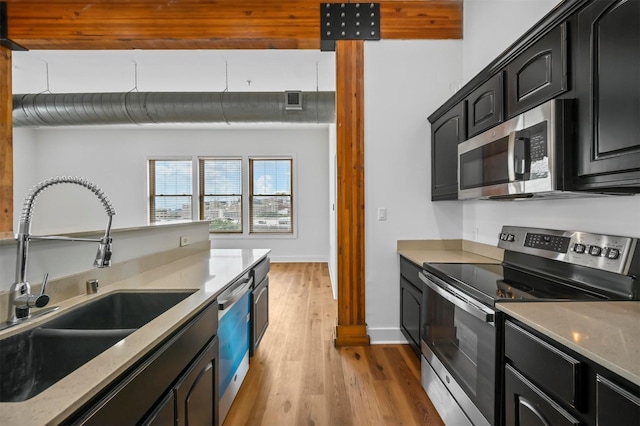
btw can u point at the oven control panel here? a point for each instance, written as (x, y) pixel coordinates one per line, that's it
(606, 252)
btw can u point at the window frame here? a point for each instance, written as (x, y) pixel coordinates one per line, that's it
(250, 196)
(202, 194)
(151, 176)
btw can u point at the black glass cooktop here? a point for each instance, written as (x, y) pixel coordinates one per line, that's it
(497, 283)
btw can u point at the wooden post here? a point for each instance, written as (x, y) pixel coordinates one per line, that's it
(352, 328)
(6, 145)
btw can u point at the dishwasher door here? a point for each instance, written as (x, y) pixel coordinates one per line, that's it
(233, 334)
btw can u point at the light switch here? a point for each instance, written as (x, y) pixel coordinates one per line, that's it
(382, 213)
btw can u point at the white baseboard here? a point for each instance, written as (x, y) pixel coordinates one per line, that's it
(301, 259)
(380, 336)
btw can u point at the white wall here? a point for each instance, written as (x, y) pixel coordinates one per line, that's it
(489, 27)
(333, 212)
(23, 168)
(405, 81)
(61, 259)
(116, 160)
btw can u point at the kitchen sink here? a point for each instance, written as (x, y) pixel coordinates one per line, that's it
(121, 310)
(35, 359)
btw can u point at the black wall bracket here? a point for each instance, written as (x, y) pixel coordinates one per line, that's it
(4, 30)
(348, 21)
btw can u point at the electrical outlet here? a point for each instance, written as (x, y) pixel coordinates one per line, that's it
(184, 241)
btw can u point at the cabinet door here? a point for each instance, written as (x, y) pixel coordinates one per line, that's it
(537, 74)
(260, 313)
(197, 391)
(410, 313)
(615, 405)
(485, 106)
(164, 414)
(446, 133)
(526, 405)
(608, 92)
(550, 368)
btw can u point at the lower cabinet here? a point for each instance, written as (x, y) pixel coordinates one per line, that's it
(546, 383)
(191, 401)
(259, 303)
(410, 304)
(175, 384)
(527, 405)
(615, 405)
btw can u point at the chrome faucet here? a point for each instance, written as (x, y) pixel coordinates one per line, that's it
(20, 298)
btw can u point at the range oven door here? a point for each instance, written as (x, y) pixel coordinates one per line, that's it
(459, 343)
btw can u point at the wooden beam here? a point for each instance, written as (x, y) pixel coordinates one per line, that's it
(206, 24)
(351, 328)
(6, 145)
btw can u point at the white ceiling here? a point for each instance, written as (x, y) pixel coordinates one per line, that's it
(172, 70)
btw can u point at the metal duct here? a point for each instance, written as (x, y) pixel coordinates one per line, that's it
(77, 109)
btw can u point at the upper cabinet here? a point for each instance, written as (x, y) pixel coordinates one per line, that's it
(538, 73)
(607, 87)
(485, 106)
(446, 133)
(587, 50)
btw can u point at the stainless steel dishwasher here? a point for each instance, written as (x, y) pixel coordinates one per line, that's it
(234, 334)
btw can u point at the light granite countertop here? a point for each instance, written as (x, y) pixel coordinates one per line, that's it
(208, 273)
(448, 251)
(607, 333)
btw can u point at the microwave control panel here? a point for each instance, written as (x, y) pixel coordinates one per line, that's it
(605, 252)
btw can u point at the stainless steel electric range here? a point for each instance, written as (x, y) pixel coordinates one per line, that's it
(462, 338)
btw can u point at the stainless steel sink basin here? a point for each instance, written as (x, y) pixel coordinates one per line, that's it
(35, 359)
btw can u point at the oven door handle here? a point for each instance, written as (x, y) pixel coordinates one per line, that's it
(463, 304)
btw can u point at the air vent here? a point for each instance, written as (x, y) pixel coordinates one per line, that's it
(293, 100)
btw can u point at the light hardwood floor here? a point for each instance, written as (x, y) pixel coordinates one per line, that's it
(298, 377)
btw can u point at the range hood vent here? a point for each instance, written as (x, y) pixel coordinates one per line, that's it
(78, 109)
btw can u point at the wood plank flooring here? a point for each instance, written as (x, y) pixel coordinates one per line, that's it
(298, 377)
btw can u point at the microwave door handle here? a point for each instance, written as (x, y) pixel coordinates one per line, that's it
(460, 303)
(511, 160)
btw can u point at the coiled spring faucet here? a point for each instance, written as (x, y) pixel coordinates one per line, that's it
(20, 298)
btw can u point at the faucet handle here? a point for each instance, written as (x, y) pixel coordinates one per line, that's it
(45, 280)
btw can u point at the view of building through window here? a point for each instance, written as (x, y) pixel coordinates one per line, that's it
(221, 193)
(270, 202)
(220, 182)
(170, 190)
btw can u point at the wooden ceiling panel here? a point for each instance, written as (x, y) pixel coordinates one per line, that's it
(199, 24)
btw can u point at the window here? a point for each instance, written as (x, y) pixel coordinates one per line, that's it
(170, 190)
(221, 193)
(270, 199)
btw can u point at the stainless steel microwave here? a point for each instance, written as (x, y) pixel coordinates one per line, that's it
(525, 157)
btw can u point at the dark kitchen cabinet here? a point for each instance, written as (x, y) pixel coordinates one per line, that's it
(191, 401)
(537, 74)
(196, 392)
(446, 133)
(546, 383)
(526, 404)
(607, 86)
(485, 106)
(164, 414)
(176, 380)
(259, 303)
(411, 315)
(615, 404)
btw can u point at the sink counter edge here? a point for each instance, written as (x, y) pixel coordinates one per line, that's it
(207, 272)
